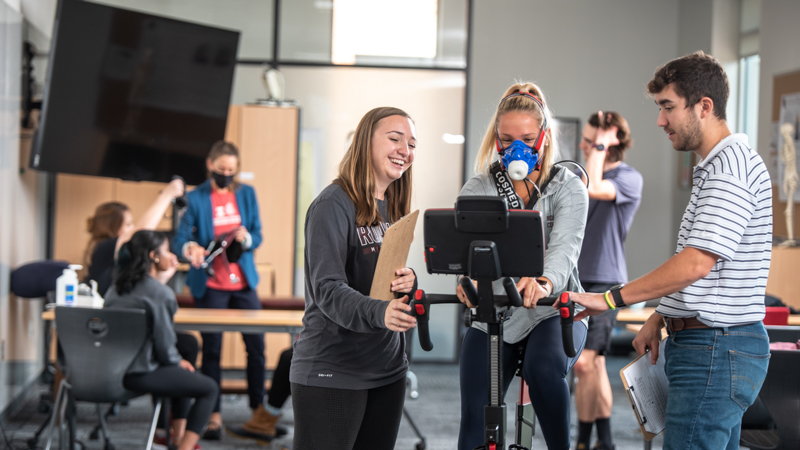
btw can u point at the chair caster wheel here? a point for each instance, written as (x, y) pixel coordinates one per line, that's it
(109, 446)
(420, 445)
(94, 435)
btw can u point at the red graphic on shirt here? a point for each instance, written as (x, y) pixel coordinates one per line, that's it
(226, 217)
(371, 237)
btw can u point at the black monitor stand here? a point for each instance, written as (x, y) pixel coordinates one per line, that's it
(499, 244)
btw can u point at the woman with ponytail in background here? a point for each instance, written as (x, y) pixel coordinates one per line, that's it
(112, 225)
(158, 369)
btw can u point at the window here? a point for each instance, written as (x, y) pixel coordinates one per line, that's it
(748, 97)
(749, 67)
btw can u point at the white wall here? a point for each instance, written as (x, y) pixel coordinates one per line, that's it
(22, 223)
(780, 53)
(253, 18)
(713, 27)
(586, 56)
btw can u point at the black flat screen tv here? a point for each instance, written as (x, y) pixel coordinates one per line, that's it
(132, 95)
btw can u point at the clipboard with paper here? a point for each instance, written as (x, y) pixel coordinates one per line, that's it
(394, 254)
(647, 388)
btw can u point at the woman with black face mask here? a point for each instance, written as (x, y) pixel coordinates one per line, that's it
(222, 209)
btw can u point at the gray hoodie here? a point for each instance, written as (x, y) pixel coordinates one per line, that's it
(160, 304)
(563, 205)
(344, 343)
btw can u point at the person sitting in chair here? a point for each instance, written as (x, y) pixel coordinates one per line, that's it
(159, 369)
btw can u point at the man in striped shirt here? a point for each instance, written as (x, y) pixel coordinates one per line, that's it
(713, 287)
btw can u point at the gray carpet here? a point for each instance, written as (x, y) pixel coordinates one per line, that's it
(436, 412)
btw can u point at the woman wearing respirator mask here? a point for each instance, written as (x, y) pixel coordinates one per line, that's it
(516, 161)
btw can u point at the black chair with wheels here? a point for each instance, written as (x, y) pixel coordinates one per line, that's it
(96, 349)
(772, 422)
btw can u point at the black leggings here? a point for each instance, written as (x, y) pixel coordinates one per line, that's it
(188, 348)
(281, 388)
(545, 367)
(343, 419)
(172, 381)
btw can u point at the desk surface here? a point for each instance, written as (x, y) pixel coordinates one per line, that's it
(244, 320)
(628, 315)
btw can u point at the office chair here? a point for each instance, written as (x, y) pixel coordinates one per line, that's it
(97, 348)
(780, 396)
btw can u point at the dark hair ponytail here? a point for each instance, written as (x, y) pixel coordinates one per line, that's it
(133, 259)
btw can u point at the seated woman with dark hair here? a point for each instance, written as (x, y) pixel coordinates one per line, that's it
(159, 369)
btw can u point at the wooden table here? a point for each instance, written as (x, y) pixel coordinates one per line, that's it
(629, 315)
(243, 320)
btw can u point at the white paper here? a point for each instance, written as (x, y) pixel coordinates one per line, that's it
(790, 112)
(648, 388)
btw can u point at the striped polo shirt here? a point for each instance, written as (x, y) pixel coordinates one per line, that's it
(730, 215)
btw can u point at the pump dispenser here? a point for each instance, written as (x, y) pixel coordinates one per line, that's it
(67, 286)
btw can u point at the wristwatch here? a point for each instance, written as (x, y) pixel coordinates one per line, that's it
(544, 284)
(615, 292)
(600, 147)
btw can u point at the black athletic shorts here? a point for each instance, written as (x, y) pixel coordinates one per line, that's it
(598, 337)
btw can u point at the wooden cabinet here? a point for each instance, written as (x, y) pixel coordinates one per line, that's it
(782, 281)
(267, 138)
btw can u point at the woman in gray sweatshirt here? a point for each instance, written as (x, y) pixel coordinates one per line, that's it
(526, 177)
(349, 367)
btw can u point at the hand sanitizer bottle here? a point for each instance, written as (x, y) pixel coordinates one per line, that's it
(67, 286)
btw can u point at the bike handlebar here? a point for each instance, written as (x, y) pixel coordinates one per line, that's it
(420, 308)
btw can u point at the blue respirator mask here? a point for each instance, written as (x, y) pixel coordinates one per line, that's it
(519, 160)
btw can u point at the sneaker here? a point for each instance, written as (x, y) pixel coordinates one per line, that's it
(599, 446)
(213, 432)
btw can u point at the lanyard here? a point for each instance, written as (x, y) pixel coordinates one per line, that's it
(505, 188)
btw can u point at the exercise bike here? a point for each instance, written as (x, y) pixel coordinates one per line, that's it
(484, 241)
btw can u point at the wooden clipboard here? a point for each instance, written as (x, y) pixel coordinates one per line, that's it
(393, 256)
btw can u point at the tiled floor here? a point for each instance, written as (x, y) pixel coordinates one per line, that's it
(436, 412)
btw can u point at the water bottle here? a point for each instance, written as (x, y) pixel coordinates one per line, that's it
(67, 286)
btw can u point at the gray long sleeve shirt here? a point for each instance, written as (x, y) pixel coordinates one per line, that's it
(160, 304)
(563, 205)
(344, 343)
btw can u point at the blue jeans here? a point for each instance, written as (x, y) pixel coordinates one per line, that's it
(714, 375)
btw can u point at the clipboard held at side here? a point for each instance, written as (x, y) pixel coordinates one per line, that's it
(647, 388)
